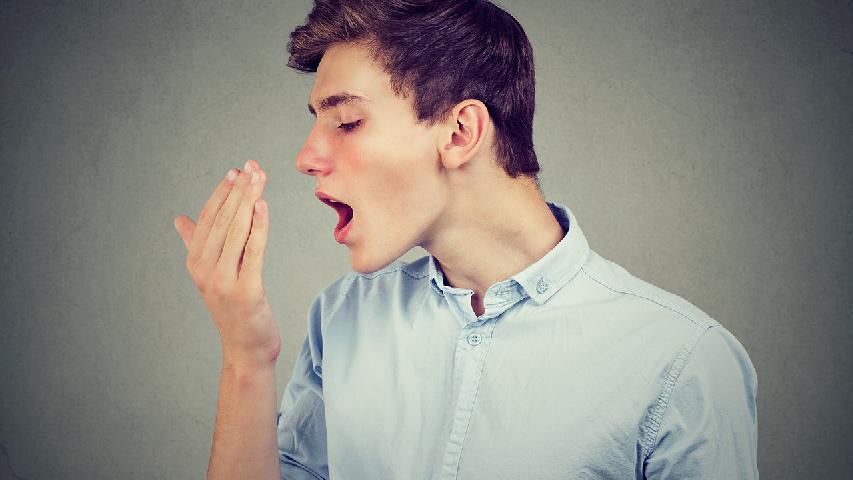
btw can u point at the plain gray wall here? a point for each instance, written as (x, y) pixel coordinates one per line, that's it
(704, 146)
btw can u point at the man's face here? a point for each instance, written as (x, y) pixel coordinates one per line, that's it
(370, 153)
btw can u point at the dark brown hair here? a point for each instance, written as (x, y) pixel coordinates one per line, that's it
(442, 52)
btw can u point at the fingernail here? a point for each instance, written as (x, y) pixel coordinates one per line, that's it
(248, 167)
(231, 175)
(255, 177)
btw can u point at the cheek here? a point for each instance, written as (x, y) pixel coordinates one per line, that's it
(402, 152)
(396, 177)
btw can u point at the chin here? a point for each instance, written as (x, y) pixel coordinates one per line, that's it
(364, 262)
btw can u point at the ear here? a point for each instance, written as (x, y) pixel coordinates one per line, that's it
(467, 130)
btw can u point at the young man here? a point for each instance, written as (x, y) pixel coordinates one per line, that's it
(512, 350)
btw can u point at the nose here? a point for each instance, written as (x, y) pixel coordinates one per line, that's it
(313, 158)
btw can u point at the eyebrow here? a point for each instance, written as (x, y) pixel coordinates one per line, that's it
(332, 101)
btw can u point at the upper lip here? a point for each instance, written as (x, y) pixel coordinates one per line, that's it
(325, 198)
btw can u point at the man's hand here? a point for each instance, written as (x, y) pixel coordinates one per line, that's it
(225, 252)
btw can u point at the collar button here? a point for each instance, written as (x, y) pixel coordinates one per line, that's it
(542, 286)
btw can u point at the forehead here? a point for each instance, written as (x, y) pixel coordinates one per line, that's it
(350, 69)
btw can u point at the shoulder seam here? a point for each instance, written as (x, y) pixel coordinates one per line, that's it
(396, 268)
(666, 306)
(655, 417)
(379, 273)
(415, 275)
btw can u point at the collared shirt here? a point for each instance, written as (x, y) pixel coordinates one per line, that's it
(575, 370)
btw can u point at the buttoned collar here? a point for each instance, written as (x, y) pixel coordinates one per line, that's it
(540, 280)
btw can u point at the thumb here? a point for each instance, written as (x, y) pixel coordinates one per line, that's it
(185, 227)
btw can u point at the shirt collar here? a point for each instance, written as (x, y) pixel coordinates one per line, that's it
(542, 279)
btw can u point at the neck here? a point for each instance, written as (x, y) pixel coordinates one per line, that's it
(491, 233)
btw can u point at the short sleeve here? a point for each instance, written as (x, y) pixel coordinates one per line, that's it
(709, 427)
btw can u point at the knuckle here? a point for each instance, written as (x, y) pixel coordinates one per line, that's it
(205, 218)
(201, 279)
(222, 285)
(252, 251)
(221, 220)
(234, 229)
(229, 243)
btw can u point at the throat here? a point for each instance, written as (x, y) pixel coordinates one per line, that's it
(477, 304)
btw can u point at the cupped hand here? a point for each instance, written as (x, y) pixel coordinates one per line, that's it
(225, 252)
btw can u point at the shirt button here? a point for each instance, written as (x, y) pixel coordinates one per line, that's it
(542, 286)
(475, 339)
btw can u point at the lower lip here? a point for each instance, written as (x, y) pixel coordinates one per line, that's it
(341, 235)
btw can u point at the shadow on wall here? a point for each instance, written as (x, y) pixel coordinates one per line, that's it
(6, 470)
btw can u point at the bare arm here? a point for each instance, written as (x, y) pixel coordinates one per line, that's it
(244, 438)
(225, 260)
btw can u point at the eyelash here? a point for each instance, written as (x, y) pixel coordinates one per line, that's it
(348, 127)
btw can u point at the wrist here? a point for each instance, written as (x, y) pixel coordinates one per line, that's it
(248, 362)
(242, 375)
(257, 357)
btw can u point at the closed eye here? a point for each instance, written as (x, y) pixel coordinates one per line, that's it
(348, 127)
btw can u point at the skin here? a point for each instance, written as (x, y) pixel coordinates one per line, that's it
(225, 252)
(386, 149)
(409, 184)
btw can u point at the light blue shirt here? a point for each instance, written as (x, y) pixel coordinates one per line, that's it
(576, 370)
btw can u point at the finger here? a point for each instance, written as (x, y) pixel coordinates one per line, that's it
(185, 227)
(253, 257)
(208, 214)
(241, 224)
(222, 223)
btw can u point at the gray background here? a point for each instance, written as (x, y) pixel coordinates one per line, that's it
(704, 146)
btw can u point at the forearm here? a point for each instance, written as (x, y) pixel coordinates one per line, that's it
(244, 438)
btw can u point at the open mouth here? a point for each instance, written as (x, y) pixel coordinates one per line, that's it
(344, 214)
(344, 211)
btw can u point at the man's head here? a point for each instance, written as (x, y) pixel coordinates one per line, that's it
(440, 52)
(405, 91)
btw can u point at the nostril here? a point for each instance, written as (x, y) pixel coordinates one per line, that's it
(312, 162)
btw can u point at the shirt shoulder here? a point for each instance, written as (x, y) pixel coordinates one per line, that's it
(704, 423)
(703, 374)
(393, 281)
(646, 300)
(396, 282)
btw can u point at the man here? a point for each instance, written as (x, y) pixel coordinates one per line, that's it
(512, 350)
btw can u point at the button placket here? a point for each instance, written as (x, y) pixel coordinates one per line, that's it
(468, 371)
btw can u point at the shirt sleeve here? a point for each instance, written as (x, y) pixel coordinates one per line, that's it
(301, 421)
(709, 427)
